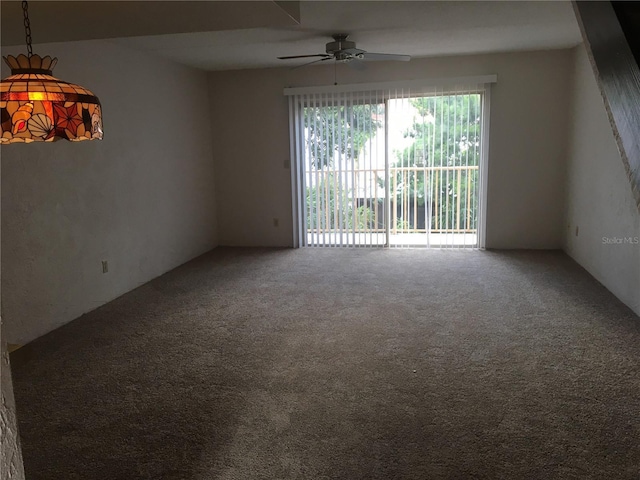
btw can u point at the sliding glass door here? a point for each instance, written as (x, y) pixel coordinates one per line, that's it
(388, 168)
(344, 172)
(434, 152)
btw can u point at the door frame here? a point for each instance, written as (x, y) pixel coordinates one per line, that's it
(382, 91)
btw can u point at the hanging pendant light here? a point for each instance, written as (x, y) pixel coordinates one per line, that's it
(37, 107)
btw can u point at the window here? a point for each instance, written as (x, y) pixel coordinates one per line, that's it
(395, 166)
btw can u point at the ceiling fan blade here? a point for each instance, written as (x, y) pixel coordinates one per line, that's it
(310, 63)
(357, 65)
(386, 56)
(304, 56)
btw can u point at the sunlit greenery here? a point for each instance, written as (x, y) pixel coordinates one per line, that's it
(445, 132)
(343, 131)
(329, 207)
(340, 130)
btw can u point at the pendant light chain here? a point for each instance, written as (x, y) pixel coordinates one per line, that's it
(27, 27)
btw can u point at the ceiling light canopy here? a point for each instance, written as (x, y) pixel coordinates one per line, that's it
(37, 107)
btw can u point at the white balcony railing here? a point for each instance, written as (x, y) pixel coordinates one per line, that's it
(422, 200)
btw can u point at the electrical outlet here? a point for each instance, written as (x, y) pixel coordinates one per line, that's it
(577, 230)
(276, 222)
(105, 266)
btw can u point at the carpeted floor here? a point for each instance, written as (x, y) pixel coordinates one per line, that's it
(341, 364)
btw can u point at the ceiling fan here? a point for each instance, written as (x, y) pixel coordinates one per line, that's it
(343, 50)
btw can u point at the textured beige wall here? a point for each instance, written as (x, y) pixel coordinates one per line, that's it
(600, 204)
(529, 106)
(143, 198)
(10, 455)
(11, 467)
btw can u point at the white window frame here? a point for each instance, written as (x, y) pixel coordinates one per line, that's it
(382, 91)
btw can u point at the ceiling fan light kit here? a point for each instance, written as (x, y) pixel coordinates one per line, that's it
(343, 50)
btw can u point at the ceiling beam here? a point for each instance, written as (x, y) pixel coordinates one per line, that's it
(62, 21)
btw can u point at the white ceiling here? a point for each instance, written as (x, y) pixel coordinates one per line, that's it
(417, 28)
(64, 20)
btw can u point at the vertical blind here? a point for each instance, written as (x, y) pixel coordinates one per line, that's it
(389, 164)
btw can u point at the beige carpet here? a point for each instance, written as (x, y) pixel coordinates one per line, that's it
(341, 364)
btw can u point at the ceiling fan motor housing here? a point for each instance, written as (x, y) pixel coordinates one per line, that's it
(339, 44)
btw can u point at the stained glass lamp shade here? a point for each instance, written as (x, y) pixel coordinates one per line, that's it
(37, 107)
